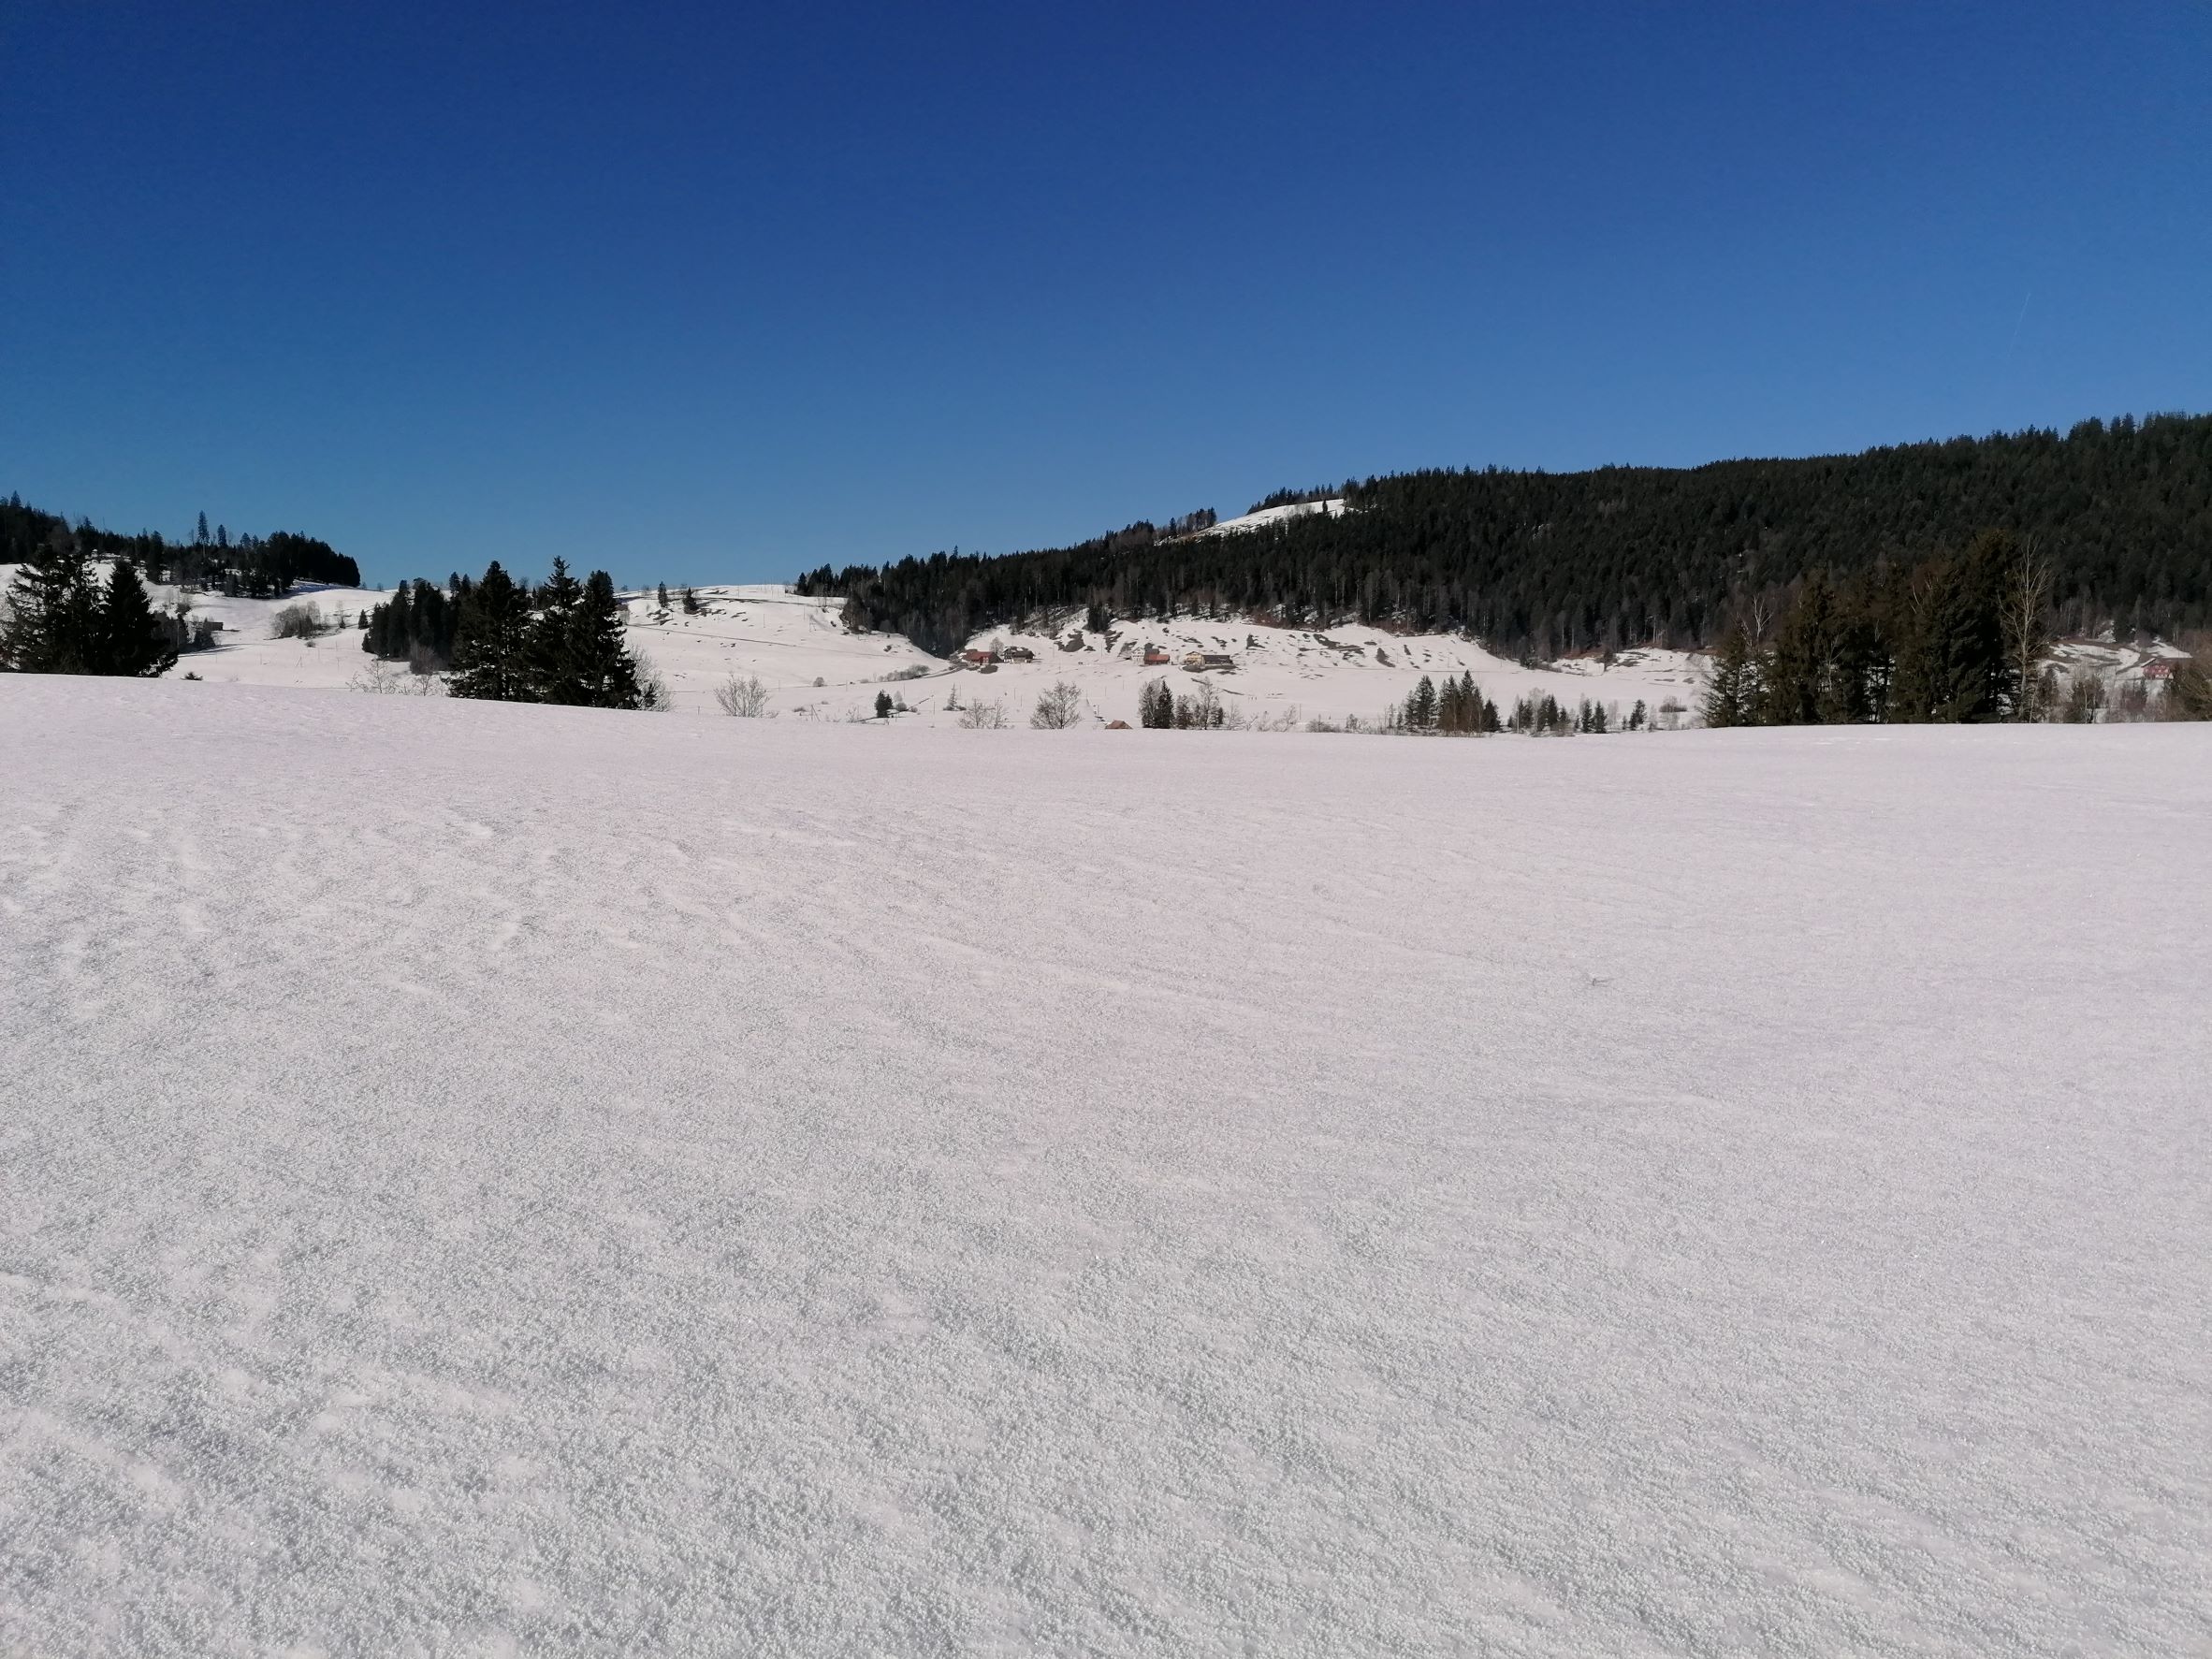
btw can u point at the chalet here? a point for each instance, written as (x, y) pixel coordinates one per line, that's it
(1155, 657)
(2159, 668)
(1209, 662)
(978, 659)
(1017, 654)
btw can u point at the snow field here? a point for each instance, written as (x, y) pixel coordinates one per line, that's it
(479, 1179)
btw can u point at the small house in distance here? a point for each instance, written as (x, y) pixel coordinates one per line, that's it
(1209, 662)
(977, 659)
(1017, 654)
(1155, 657)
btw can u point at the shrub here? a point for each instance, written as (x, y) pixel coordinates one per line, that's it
(746, 698)
(296, 621)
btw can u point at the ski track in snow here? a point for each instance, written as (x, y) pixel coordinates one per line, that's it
(481, 1179)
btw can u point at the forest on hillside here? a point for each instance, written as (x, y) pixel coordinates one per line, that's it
(1542, 564)
(249, 566)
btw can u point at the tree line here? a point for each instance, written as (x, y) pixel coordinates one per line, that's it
(1543, 564)
(507, 642)
(1957, 637)
(249, 566)
(62, 619)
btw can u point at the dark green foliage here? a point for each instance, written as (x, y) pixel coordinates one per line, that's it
(52, 624)
(1733, 696)
(1155, 705)
(549, 664)
(61, 619)
(1462, 712)
(418, 624)
(1947, 636)
(490, 641)
(1420, 707)
(607, 673)
(132, 639)
(253, 566)
(1544, 563)
(883, 705)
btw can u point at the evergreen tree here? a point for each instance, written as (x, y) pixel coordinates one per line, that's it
(605, 672)
(662, 595)
(132, 640)
(491, 640)
(52, 625)
(549, 666)
(1733, 697)
(1797, 685)
(1420, 707)
(1952, 664)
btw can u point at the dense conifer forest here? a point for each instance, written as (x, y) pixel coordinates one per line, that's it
(1541, 565)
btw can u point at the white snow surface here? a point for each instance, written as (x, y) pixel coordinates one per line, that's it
(479, 1179)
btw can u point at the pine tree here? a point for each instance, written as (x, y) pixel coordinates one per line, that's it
(549, 667)
(132, 639)
(491, 641)
(52, 624)
(883, 705)
(662, 595)
(1732, 699)
(1420, 707)
(1797, 688)
(605, 672)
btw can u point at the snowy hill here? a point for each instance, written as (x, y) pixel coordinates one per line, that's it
(790, 643)
(815, 670)
(487, 1179)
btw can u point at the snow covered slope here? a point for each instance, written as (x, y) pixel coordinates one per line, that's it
(479, 1179)
(1265, 515)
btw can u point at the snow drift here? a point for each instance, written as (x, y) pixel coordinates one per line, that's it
(479, 1179)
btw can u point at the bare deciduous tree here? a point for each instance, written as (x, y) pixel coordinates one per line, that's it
(2027, 634)
(1059, 708)
(745, 697)
(983, 714)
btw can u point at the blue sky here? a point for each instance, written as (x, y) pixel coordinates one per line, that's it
(701, 292)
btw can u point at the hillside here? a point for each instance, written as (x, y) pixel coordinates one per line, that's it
(1281, 678)
(477, 1178)
(1547, 564)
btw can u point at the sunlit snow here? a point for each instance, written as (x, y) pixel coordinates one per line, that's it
(484, 1179)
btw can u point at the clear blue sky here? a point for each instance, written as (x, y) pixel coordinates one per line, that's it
(709, 291)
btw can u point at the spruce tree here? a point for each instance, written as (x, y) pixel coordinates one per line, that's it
(548, 655)
(132, 640)
(52, 624)
(1732, 699)
(491, 641)
(605, 672)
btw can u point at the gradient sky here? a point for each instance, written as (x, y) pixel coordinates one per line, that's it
(711, 292)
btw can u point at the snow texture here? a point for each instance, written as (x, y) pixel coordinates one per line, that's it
(479, 1179)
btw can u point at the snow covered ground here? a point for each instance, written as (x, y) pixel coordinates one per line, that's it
(479, 1179)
